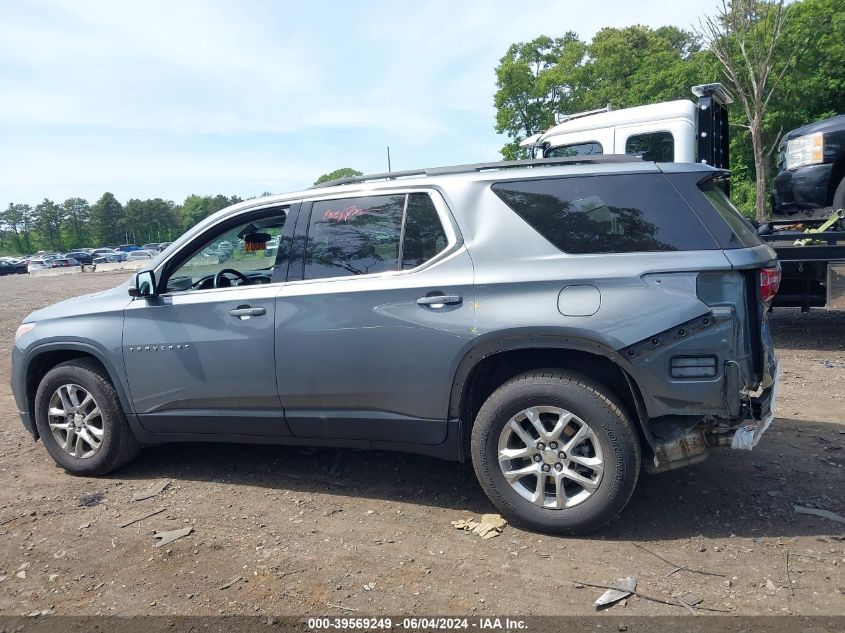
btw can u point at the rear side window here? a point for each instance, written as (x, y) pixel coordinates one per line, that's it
(592, 148)
(743, 231)
(354, 236)
(607, 214)
(652, 146)
(372, 234)
(424, 234)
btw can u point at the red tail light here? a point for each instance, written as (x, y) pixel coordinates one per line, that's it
(769, 283)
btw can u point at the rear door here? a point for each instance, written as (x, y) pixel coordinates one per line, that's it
(378, 305)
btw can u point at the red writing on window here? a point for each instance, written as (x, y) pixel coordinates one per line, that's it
(342, 216)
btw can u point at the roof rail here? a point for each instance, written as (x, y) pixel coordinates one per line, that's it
(563, 118)
(478, 167)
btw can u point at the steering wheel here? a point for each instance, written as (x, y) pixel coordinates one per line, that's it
(245, 281)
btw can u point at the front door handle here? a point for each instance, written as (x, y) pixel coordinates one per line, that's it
(245, 312)
(438, 301)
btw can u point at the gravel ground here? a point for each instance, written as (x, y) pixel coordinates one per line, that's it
(288, 531)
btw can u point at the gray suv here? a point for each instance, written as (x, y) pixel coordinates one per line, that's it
(562, 323)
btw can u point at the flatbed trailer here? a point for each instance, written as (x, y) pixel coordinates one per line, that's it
(813, 274)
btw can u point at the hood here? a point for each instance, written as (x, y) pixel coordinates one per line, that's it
(832, 124)
(96, 302)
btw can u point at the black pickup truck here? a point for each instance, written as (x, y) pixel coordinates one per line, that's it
(811, 169)
(809, 194)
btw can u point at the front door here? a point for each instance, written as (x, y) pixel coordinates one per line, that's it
(200, 355)
(378, 306)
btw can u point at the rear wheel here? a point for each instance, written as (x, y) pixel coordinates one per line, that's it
(80, 420)
(555, 452)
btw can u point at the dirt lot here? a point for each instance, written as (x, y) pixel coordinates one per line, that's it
(368, 533)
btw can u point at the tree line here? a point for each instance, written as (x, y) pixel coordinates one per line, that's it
(75, 223)
(785, 64)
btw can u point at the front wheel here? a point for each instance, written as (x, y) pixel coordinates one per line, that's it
(80, 420)
(555, 452)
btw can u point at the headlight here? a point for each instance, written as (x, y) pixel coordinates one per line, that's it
(23, 329)
(805, 150)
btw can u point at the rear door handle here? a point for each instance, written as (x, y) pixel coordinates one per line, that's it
(438, 301)
(245, 312)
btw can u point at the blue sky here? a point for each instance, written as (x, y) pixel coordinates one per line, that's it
(165, 99)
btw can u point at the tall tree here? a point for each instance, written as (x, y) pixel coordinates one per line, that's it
(196, 208)
(636, 65)
(49, 217)
(77, 215)
(107, 221)
(745, 36)
(343, 172)
(19, 220)
(535, 80)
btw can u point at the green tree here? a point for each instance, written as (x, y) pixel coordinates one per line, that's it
(196, 208)
(49, 218)
(107, 221)
(746, 38)
(77, 215)
(19, 221)
(620, 67)
(343, 172)
(534, 81)
(637, 65)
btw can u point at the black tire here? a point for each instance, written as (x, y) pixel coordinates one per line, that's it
(594, 405)
(119, 445)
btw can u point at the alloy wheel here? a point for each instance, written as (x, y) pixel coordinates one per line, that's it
(75, 421)
(550, 457)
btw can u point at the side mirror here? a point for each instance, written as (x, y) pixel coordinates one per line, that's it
(145, 285)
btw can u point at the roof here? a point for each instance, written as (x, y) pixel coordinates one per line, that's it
(479, 167)
(681, 109)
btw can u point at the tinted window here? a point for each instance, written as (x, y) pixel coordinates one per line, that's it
(424, 234)
(354, 236)
(607, 214)
(744, 233)
(655, 146)
(592, 148)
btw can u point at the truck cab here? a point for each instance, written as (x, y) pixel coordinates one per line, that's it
(670, 132)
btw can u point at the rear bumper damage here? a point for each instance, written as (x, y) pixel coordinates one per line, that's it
(683, 441)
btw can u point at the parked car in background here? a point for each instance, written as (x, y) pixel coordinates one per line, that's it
(128, 248)
(39, 263)
(83, 257)
(153, 247)
(164, 245)
(12, 267)
(139, 254)
(63, 262)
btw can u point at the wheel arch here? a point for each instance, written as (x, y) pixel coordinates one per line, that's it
(43, 358)
(837, 174)
(492, 363)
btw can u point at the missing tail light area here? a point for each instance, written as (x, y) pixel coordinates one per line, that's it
(703, 366)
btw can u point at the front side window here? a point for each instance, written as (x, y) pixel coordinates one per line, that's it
(607, 214)
(652, 146)
(247, 252)
(364, 235)
(591, 148)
